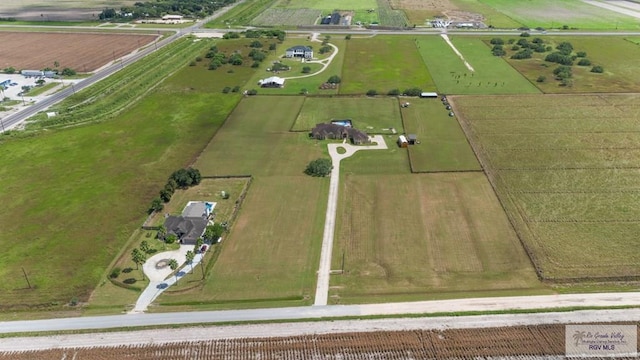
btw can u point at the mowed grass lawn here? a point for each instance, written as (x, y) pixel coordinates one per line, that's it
(271, 254)
(443, 146)
(620, 72)
(310, 83)
(371, 115)
(383, 63)
(568, 182)
(73, 197)
(425, 236)
(555, 14)
(491, 75)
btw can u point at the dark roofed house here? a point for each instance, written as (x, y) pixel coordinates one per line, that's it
(299, 51)
(335, 131)
(186, 229)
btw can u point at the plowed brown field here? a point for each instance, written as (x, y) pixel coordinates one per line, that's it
(83, 52)
(521, 342)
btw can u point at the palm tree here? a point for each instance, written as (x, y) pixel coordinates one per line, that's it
(139, 258)
(190, 256)
(173, 264)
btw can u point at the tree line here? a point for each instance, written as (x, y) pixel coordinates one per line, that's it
(158, 8)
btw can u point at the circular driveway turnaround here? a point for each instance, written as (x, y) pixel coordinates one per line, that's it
(159, 279)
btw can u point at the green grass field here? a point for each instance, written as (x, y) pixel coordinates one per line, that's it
(50, 228)
(374, 64)
(443, 146)
(555, 14)
(272, 251)
(416, 237)
(619, 74)
(492, 74)
(371, 115)
(493, 16)
(567, 181)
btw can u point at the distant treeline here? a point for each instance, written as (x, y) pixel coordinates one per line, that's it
(159, 8)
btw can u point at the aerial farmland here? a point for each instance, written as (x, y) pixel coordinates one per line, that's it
(520, 177)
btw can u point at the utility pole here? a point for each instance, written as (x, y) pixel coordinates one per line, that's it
(24, 272)
(342, 261)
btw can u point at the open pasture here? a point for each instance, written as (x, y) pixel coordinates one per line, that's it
(83, 52)
(443, 146)
(375, 64)
(422, 236)
(371, 115)
(491, 75)
(561, 177)
(287, 17)
(555, 14)
(619, 75)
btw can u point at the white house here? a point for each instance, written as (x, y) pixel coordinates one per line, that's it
(271, 82)
(299, 51)
(172, 17)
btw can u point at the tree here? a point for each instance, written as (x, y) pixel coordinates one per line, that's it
(496, 41)
(372, 92)
(541, 78)
(9, 70)
(68, 72)
(306, 69)
(199, 243)
(170, 239)
(213, 233)
(144, 246)
(584, 62)
(190, 255)
(156, 205)
(348, 37)
(525, 34)
(173, 264)
(325, 49)
(597, 69)
(162, 232)
(165, 195)
(252, 92)
(335, 79)
(319, 167)
(581, 54)
(394, 92)
(272, 46)
(56, 64)
(255, 44)
(40, 82)
(498, 50)
(139, 258)
(413, 92)
(565, 48)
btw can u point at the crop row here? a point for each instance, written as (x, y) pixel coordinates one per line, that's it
(390, 17)
(523, 341)
(110, 96)
(287, 17)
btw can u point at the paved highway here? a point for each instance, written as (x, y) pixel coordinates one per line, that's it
(332, 311)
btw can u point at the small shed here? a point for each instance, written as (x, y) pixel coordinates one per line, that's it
(428, 95)
(402, 141)
(412, 138)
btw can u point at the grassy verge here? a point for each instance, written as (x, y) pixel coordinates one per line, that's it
(42, 89)
(241, 14)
